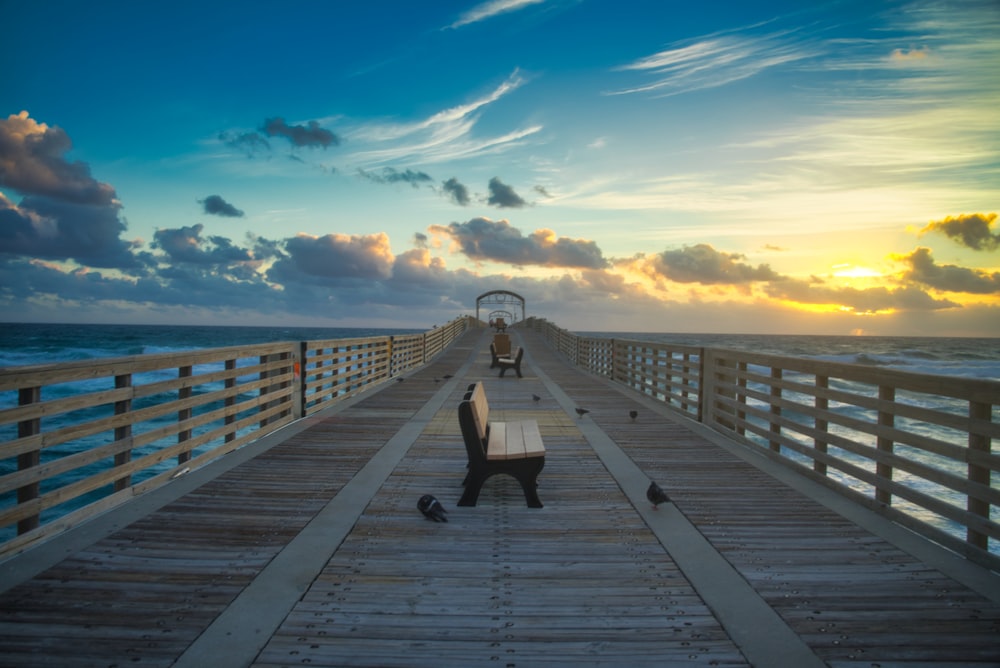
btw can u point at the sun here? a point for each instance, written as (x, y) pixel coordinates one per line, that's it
(854, 271)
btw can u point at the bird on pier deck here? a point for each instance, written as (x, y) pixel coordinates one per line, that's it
(535, 398)
(656, 495)
(581, 411)
(633, 415)
(432, 508)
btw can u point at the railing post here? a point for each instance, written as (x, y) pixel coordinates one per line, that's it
(390, 366)
(25, 428)
(775, 428)
(718, 383)
(741, 397)
(124, 432)
(886, 418)
(230, 401)
(822, 406)
(185, 413)
(703, 396)
(299, 368)
(264, 389)
(685, 381)
(979, 442)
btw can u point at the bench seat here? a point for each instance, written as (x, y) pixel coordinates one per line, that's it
(511, 363)
(515, 440)
(513, 448)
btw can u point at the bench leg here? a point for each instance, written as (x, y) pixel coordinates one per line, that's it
(516, 367)
(525, 471)
(529, 485)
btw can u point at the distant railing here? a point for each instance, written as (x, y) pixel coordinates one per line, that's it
(914, 447)
(77, 438)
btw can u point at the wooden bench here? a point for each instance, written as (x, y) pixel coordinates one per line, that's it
(514, 448)
(499, 348)
(511, 363)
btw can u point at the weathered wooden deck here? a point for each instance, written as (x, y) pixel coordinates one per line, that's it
(308, 549)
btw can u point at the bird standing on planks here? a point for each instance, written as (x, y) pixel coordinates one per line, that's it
(432, 508)
(656, 495)
(633, 415)
(581, 411)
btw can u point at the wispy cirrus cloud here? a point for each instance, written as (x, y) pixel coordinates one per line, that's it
(488, 10)
(715, 60)
(445, 135)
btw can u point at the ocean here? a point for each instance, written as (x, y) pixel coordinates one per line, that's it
(23, 344)
(32, 343)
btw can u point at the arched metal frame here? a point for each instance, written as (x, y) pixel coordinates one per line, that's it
(511, 304)
(506, 315)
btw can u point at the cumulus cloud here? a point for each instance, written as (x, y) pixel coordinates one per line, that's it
(498, 241)
(215, 205)
(65, 213)
(250, 143)
(33, 162)
(390, 175)
(503, 196)
(185, 244)
(457, 192)
(334, 257)
(972, 230)
(311, 134)
(905, 55)
(948, 277)
(417, 267)
(704, 264)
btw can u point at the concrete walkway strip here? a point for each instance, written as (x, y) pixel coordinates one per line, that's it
(760, 633)
(238, 635)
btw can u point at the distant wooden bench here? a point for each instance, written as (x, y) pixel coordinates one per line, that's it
(511, 363)
(499, 348)
(514, 448)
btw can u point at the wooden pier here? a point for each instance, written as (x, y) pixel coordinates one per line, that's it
(306, 548)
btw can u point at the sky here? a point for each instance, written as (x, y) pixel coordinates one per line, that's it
(623, 165)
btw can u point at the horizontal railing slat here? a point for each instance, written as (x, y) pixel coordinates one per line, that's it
(882, 416)
(192, 406)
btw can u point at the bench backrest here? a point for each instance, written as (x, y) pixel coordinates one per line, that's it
(480, 411)
(501, 344)
(473, 417)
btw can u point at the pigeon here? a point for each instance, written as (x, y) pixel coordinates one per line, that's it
(656, 495)
(432, 508)
(633, 415)
(400, 380)
(535, 398)
(446, 376)
(581, 411)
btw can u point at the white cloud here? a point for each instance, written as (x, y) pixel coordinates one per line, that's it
(488, 10)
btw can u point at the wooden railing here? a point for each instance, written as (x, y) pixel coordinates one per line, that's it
(78, 438)
(914, 447)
